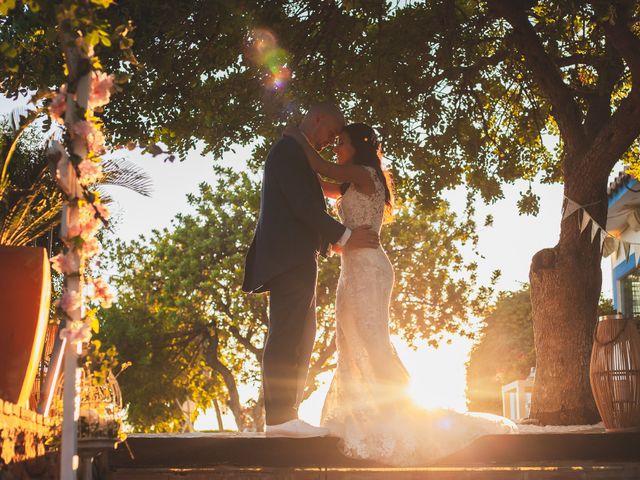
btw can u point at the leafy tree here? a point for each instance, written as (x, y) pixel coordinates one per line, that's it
(464, 92)
(190, 332)
(504, 352)
(505, 349)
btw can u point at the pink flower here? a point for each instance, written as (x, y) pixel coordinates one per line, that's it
(103, 210)
(86, 49)
(76, 332)
(87, 220)
(59, 105)
(66, 263)
(69, 301)
(92, 136)
(91, 247)
(90, 172)
(101, 85)
(102, 292)
(74, 230)
(90, 228)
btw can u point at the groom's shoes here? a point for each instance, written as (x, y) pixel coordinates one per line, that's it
(296, 429)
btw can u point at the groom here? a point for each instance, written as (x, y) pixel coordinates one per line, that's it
(293, 228)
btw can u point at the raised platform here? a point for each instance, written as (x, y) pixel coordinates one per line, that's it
(235, 455)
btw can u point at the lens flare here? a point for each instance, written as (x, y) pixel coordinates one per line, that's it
(263, 51)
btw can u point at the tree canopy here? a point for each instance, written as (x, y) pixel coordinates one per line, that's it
(439, 79)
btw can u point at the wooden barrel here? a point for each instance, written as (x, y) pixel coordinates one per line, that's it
(615, 372)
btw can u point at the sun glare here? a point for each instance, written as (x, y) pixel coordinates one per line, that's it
(438, 376)
(438, 379)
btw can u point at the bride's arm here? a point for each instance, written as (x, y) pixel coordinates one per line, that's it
(342, 173)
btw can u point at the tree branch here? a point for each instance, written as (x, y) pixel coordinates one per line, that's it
(547, 74)
(624, 40)
(609, 69)
(211, 357)
(614, 138)
(576, 59)
(245, 342)
(318, 366)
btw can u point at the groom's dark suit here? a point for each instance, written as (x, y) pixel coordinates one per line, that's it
(293, 228)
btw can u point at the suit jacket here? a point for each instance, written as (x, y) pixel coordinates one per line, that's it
(294, 225)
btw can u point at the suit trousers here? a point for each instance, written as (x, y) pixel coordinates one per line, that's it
(290, 339)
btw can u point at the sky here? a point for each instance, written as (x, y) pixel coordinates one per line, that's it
(508, 245)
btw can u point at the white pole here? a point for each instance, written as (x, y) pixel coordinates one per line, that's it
(73, 283)
(68, 455)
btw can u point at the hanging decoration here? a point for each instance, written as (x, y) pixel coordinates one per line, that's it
(609, 244)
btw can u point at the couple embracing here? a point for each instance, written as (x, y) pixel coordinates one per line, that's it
(367, 405)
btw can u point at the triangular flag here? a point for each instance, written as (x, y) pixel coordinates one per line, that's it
(620, 249)
(594, 230)
(609, 245)
(614, 247)
(586, 219)
(626, 246)
(570, 208)
(603, 236)
(636, 252)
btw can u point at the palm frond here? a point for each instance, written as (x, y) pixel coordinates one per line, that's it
(33, 213)
(16, 123)
(123, 173)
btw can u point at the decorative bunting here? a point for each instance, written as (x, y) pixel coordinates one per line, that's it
(594, 230)
(570, 208)
(586, 219)
(620, 250)
(636, 253)
(609, 244)
(603, 238)
(615, 248)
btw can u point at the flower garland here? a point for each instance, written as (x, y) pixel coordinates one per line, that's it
(76, 167)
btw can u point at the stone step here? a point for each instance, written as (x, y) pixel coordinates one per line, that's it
(253, 456)
(523, 472)
(202, 450)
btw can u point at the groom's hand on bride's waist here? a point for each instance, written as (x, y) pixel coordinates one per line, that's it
(363, 237)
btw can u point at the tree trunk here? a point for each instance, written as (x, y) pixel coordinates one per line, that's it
(565, 289)
(230, 382)
(216, 405)
(258, 413)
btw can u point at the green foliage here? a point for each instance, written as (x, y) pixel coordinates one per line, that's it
(31, 40)
(504, 353)
(455, 101)
(443, 84)
(182, 321)
(505, 349)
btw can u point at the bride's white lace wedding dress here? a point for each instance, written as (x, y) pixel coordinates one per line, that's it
(367, 405)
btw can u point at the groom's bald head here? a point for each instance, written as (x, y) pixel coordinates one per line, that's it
(325, 109)
(322, 123)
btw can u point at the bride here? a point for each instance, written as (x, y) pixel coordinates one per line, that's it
(368, 406)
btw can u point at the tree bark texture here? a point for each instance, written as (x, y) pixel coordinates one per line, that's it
(565, 288)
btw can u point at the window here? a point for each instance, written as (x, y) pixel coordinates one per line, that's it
(631, 294)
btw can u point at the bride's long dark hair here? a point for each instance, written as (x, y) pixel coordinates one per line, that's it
(368, 152)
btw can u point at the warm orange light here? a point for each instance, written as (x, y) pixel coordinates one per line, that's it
(438, 376)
